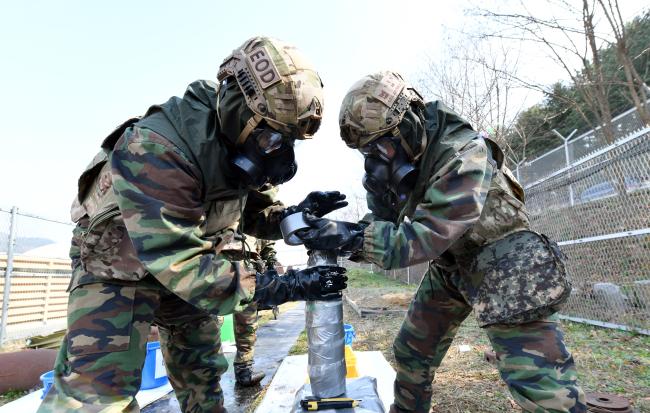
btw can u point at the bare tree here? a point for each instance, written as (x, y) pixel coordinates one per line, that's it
(355, 210)
(634, 82)
(572, 42)
(477, 82)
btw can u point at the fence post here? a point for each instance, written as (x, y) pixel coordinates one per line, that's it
(567, 159)
(408, 275)
(8, 271)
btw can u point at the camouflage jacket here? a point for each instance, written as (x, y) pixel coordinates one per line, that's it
(260, 252)
(144, 210)
(464, 198)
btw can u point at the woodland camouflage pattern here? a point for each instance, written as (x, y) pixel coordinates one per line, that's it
(531, 357)
(452, 203)
(132, 247)
(176, 237)
(98, 368)
(467, 217)
(245, 326)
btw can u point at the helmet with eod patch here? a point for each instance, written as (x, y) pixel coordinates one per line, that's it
(280, 87)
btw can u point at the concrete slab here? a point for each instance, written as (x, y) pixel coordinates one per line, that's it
(292, 375)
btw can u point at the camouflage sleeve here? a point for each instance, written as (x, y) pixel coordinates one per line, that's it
(380, 209)
(158, 191)
(262, 215)
(267, 251)
(451, 205)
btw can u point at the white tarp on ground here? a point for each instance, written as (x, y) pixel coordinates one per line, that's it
(292, 375)
(30, 403)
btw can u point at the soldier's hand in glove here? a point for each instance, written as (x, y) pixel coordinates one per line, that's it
(326, 234)
(323, 282)
(319, 203)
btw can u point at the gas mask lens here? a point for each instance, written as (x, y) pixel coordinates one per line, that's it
(384, 148)
(388, 167)
(268, 140)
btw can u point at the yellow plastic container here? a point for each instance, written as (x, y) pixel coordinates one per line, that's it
(350, 363)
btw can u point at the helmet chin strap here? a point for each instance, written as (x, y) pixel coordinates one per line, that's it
(251, 124)
(423, 141)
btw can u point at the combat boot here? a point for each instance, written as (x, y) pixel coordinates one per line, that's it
(245, 375)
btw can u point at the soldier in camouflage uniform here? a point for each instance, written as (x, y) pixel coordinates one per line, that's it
(439, 192)
(154, 210)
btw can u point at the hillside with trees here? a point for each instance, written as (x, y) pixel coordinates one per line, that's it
(605, 61)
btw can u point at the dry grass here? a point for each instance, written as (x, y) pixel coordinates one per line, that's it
(608, 360)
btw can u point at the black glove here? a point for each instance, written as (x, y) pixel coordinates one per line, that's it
(326, 234)
(319, 203)
(323, 282)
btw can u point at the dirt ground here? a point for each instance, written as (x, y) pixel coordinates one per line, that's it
(608, 360)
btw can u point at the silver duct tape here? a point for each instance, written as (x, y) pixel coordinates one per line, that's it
(327, 380)
(289, 225)
(325, 337)
(322, 354)
(324, 313)
(326, 341)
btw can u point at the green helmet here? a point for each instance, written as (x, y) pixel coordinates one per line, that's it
(279, 85)
(375, 105)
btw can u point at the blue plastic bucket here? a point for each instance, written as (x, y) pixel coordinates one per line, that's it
(349, 334)
(47, 379)
(153, 371)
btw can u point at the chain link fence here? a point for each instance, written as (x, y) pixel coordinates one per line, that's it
(599, 212)
(577, 148)
(35, 273)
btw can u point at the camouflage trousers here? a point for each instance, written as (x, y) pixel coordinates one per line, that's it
(245, 326)
(99, 365)
(532, 358)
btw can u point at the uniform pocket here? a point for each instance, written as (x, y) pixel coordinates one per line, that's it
(101, 237)
(106, 249)
(100, 318)
(523, 279)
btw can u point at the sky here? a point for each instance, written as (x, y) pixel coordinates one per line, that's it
(73, 70)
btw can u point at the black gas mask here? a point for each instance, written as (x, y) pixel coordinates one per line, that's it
(266, 157)
(390, 174)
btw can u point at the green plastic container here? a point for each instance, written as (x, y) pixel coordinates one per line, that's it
(227, 332)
